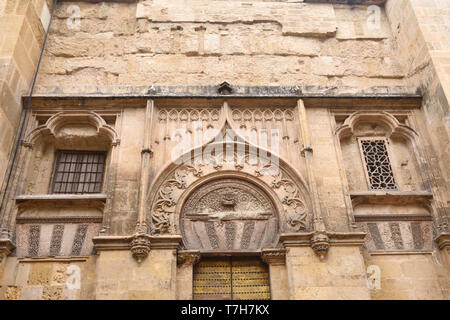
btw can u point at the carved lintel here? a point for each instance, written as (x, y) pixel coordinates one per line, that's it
(443, 240)
(168, 241)
(107, 243)
(274, 256)
(320, 243)
(140, 246)
(186, 257)
(296, 239)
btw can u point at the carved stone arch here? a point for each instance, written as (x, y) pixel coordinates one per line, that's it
(394, 126)
(51, 128)
(288, 188)
(229, 211)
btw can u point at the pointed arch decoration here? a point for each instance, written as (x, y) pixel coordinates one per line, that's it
(283, 184)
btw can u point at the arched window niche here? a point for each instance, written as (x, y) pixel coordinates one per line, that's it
(65, 132)
(379, 153)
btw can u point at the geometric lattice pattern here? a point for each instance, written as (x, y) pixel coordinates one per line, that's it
(78, 172)
(379, 169)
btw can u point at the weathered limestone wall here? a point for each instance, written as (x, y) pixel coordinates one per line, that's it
(420, 30)
(207, 42)
(154, 278)
(22, 24)
(48, 279)
(341, 276)
(411, 276)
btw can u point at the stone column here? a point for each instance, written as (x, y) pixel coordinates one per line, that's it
(185, 271)
(276, 259)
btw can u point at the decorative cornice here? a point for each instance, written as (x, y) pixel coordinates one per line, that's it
(296, 239)
(274, 256)
(188, 257)
(105, 243)
(392, 217)
(346, 238)
(350, 2)
(320, 241)
(60, 219)
(210, 91)
(61, 197)
(443, 241)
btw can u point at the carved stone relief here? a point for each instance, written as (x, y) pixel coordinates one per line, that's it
(284, 193)
(228, 214)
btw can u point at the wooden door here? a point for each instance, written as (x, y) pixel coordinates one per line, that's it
(231, 278)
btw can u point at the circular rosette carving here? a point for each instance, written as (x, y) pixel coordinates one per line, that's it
(227, 215)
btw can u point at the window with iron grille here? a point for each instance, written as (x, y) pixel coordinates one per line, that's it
(78, 172)
(378, 166)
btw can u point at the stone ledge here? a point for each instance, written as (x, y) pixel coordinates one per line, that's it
(392, 217)
(60, 219)
(336, 239)
(238, 91)
(395, 253)
(61, 197)
(349, 2)
(105, 243)
(389, 197)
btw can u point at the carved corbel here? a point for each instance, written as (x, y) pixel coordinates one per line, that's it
(274, 257)
(140, 245)
(188, 257)
(6, 246)
(320, 243)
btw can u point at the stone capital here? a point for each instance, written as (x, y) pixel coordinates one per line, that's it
(188, 257)
(274, 256)
(6, 246)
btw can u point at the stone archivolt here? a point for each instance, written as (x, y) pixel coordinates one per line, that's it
(58, 121)
(178, 187)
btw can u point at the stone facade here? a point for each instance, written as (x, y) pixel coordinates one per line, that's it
(347, 197)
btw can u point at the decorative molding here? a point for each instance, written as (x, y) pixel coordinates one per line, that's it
(6, 247)
(320, 241)
(107, 243)
(395, 127)
(60, 219)
(140, 246)
(61, 119)
(443, 241)
(396, 253)
(390, 197)
(224, 88)
(188, 257)
(274, 257)
(392, 217)
(61, 197)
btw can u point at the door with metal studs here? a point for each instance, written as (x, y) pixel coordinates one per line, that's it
(231, 278)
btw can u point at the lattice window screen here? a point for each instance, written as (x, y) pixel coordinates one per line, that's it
(78, 172)
(378, 166)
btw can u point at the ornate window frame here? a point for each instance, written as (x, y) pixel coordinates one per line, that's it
(364, 162)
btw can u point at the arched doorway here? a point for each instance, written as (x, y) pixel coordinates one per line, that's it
(229, 220)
